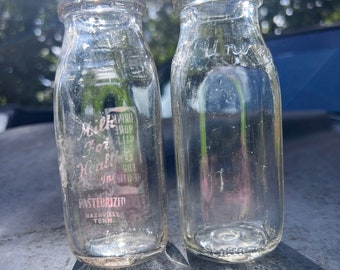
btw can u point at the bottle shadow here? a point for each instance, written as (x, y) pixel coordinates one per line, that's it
(282, 258)
(170, 259)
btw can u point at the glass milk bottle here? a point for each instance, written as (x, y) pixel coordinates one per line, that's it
(108, 134)
(227, 119)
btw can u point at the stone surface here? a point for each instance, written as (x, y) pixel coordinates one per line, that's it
(32, 233)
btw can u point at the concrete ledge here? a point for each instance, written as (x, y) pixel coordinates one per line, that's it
(32, 234)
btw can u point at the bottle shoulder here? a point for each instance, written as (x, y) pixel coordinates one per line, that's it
(104, 50)
(111, 59)
(206, 53)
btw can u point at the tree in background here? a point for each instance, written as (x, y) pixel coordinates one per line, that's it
(285, 16)
(161, 29)
(30, 38)
(31, 35)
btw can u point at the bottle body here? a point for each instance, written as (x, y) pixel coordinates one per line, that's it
(108, 133)
(228, 138)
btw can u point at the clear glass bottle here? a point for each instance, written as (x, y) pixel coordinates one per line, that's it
(108, 134)
(227, 119)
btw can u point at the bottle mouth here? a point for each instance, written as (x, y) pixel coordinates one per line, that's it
(99, 6)
(181, 4)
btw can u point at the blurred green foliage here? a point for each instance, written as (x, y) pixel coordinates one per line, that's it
(31, 36)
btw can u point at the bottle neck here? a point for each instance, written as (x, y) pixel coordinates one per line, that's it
(228, 7)
(230, 20)
(217, 10)
(101, 13)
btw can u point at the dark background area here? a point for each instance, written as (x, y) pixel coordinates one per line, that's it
(31, 37)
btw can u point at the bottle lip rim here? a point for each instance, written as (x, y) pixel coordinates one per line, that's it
(61, 2)
(65, 6)
(179, 5)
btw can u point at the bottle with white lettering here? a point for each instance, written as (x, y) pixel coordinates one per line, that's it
(227, 120)
(108, 134)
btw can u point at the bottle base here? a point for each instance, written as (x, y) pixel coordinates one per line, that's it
(119, 262)
(119, 251)
(235, 243)
(115, 262)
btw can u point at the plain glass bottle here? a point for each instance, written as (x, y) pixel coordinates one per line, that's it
(108, 134)
(227, 119)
